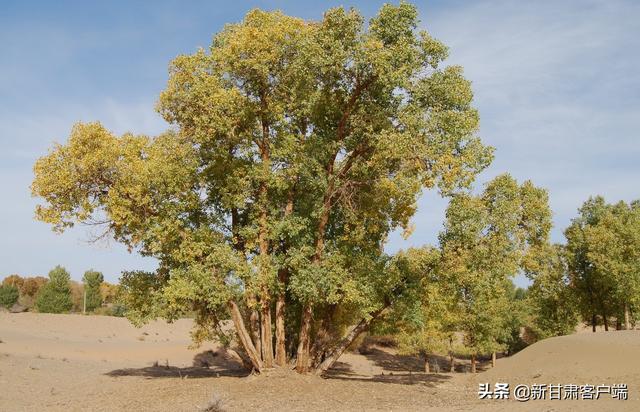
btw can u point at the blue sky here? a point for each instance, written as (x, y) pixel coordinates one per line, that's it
(557, 84)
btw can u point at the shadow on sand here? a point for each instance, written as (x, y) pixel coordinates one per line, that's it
(402, 370)
(207, 364)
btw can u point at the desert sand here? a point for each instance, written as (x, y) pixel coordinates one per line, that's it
(99, 363)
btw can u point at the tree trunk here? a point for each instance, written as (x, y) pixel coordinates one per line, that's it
(283, 274)
(323, 338)
(281, 349)
(328, 362)
(593, 323)
(605, 321)
(266, 335)
(263, 241)
(243, 335)
(427, 369)
(302, 356)
(627, 321)
(493, 360)
(452, 362)
(254, 324)
(473, 363)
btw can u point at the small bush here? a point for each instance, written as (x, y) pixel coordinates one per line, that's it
(115, 309)
(118, 310)
(8, 295)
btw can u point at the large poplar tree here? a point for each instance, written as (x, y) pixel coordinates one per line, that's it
(296, 148)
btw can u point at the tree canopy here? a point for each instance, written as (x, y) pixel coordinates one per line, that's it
(297, 147)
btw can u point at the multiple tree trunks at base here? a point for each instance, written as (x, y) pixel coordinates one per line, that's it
(244, 337)
(328, 362)
(261, 361)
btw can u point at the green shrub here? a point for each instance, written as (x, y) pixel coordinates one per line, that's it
(55, 296)
(115, 309)
(8, 295)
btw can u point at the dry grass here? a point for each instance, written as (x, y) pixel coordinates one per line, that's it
(215, 404)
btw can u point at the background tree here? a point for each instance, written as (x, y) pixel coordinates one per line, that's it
(14, 280)
(77, 296)
(551, 298)
(55, 295)
(30, 289)
(424, 320)
(299, 146)
(615, 250)
(603, 250)
(517, 317)
(485, 242)
(92, 281)
(8, 295)
(109, 292)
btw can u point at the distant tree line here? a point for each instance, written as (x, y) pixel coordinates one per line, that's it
(59, 294)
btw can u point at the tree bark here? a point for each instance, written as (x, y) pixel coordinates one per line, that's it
(281, 346)
(452, 362)
(302, 357)
(328, 362)
(281, 349)
(243, 335)
(473, 363)
(593, 323)
(493, 360)
(605, 321)
(254, 325)
(627, 321)
(427, 369)
(266, 335)
(323, 337)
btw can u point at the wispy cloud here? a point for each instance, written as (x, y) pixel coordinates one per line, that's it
(557, 88)
(556, 84)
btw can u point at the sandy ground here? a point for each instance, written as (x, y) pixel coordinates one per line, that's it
(99, 363)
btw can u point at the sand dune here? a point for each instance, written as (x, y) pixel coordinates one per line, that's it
(99, 363)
